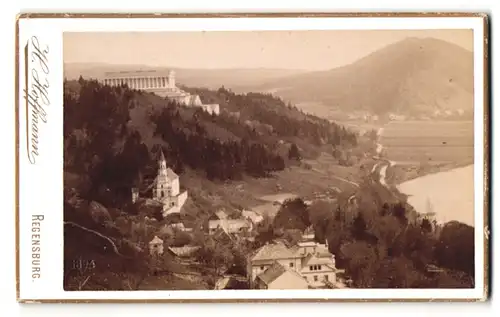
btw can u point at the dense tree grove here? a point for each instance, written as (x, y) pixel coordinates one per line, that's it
(97, 141)
(191, 142)
(285, 120)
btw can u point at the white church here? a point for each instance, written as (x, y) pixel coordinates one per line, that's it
(166, 189)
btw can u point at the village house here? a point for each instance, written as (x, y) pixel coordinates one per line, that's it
(253, 216)
(220, 220)
(156, 246)
(310, 260)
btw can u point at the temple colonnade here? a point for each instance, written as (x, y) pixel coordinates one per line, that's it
(141, 82)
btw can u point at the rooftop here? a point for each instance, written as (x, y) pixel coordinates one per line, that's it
(137, 73)
(156, 240)
(268, 209)
(272, 273)
(184, 251)
(276, 270)
(312, 259)
(274, 251)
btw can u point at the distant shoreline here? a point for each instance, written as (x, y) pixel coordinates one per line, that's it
(405, 176)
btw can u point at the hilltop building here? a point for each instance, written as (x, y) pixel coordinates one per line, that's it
(276, 265)
(166, 189)
(160, 83)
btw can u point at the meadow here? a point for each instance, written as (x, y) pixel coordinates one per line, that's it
(429, 142)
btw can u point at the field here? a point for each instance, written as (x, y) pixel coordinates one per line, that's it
(432, 142)
(322, 177)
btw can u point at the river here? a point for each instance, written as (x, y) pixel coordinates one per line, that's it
(450, 193)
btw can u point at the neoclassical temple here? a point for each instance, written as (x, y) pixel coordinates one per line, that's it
(161, 83)
(146, 80)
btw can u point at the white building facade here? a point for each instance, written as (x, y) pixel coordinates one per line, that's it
(160, 83)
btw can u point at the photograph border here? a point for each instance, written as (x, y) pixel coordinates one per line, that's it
(486, 145)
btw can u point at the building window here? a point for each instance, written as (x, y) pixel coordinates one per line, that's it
(319, 267)
(311, 268)
(262, 268)
(326, 277)
(315, 278)
(291, 264)
(162, 194)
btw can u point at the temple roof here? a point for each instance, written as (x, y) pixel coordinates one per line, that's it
(137, 73)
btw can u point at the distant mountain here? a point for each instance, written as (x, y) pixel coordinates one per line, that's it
(207, 78)
(408, 77)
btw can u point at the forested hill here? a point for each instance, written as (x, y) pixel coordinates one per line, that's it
(113, 134)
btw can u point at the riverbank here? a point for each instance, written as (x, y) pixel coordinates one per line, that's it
(400, 173)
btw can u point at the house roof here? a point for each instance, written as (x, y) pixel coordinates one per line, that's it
(312, 259)
(222, 283)
(230, 282)
(269, 209)
(231, 224)
(252, 215)
(156, 240)
(218, 215)
(275, 251)
(184, 251)
(274, 271)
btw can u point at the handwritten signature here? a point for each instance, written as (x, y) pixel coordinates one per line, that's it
(35, 93)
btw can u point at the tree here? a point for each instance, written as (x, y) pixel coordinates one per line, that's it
(293, 214)
(426, 225)
(216, 256)
(359, 227)
(293, 153)
(361, 263)
(455, 248)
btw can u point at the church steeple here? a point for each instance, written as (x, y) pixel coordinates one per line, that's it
(162, 164)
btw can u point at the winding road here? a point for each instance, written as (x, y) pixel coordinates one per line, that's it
(383, 163)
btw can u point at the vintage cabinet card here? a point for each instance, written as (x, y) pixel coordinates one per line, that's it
(198, 158)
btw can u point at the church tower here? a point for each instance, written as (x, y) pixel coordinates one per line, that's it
(166, 188)
(163, 184)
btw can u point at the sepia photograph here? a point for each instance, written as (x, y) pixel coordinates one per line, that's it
(252, 158)
(269, 160)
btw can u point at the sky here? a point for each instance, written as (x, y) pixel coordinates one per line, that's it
(307, 50)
